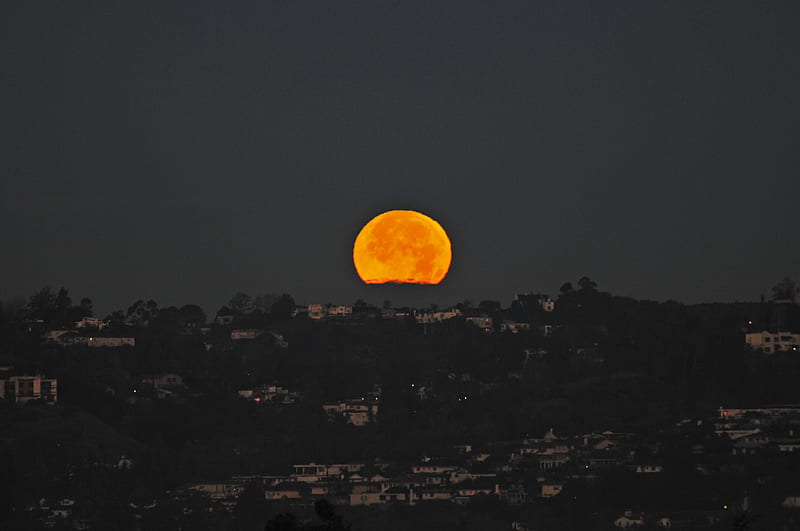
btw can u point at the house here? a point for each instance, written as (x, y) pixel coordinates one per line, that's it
(433, 494)
(433, 468)
(72, 337)
(249, 333)
(773, 342)
(285, 491)
(648, 469)
(664, 522)
(436, 317)
(313, 472)
(551, 489)
(279, 340)
(219, 490)
(270, 393)
(791, 502)
(105, 341)
(91, 322)
(317, 311)
(23, 389)
(356, 412)
(162, 379)
(551, 461)
(477, 487)
(340, 311)
(224, 316)
(367, 498)
(533, 300)
(512, 494)
(397, 495)
(483, 322)
(55, 336)
(514, 327)
(629, 520)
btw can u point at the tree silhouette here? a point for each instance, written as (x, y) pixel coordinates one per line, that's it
(786, 289)
(587, 284)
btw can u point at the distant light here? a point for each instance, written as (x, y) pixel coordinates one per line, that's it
(412, 385)
(749, 322)
(362, 398)
(586, 467)
(134, 390)
(465, 397)
(725, 507)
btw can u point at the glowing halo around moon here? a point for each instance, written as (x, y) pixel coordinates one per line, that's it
(402, 247)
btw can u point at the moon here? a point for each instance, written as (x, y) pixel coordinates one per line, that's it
(402, 247)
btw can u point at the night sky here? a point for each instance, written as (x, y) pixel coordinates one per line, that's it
(187, 150)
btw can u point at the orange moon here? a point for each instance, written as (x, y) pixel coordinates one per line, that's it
(402, 247)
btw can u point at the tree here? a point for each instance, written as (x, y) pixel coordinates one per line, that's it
(565, 288)
(241, 303)
(41, 303)
(140, 313)
(387, 304)
(785, 290)
(325, 510)
(282, 309)
(250, 510)
(489, 306)
(63, 301)
(86, 307)
(587, 284)
(192, 316)
(282, 522)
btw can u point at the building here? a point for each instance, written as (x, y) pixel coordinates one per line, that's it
(72, 337)
(436, 317)
(270, 393)
(770, 342)
(483, 322)
(314, 472)
(219, 490)
(340, 311)
(22, 389)
(355, 412)
(286, 491)
(91, 322)
(100, 341)
(162, 380)
(317, 311)
(249, 333)
(514, 328)
(533, 300)
(551, 489)
(629, 519)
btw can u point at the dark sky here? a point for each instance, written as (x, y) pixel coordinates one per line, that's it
(187, 150)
